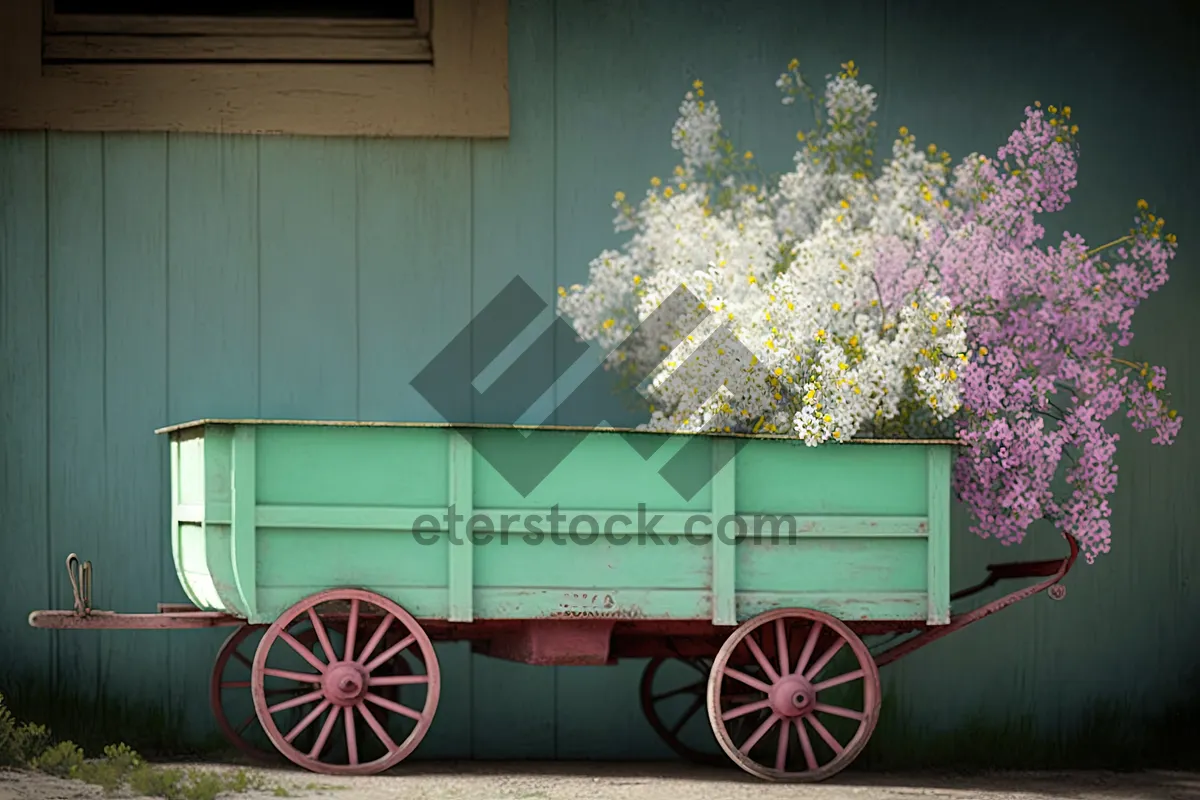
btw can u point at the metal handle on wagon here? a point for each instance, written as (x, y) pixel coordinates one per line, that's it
(1053, 570)
(80, 574)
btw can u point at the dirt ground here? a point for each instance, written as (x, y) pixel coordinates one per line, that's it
(599, 781)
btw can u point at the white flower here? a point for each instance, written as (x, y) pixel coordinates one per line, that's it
(820, 277)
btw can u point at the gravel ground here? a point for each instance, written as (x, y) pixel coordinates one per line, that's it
(598, 781)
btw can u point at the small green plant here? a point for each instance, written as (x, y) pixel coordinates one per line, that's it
(61, 760)
(19, 743)
(193, 784)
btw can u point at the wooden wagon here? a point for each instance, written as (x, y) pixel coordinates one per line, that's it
(348, 549)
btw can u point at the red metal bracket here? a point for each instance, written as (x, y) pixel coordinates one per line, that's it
(1054, 570)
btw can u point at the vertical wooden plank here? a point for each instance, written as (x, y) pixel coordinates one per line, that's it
(724, 549)
(212, 218)
(24, 545)
(938, 541)
(414, 255)
(243, 533)
(309, 274)
(513, 193)
(77, 446)
(414, 290)
(461, 581)
(134, 401)
(512, 216)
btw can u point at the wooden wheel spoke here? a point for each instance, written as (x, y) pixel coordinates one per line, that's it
(824, 733)
(351, 632)
(322, 635)
(398, 680)
(326, 729)
(293, 692)
(235, 684)
(394, 707)
(388, 654)
(839, 711)
(374, 725)
(246, 722)
(309, 718)
(738, 698)
(810, 644)
(296, 701)
(781, 645)
(759, 732)
(839, 680)
(288, 675)
(749, 708)
(763, 663)
(238, 655)
(825, 658)
(351, 735)
(691, 688)
(810, 758)
(782, 748)
(304, 652)
(746, 679)
(692, 662)
(375, 639)
(696, 705)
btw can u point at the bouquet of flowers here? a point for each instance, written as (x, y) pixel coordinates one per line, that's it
(899, 296)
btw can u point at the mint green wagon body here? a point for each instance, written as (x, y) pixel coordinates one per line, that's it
(265, 514)
(349, 548)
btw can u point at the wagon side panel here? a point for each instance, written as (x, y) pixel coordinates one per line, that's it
(844, 530)
(350, 507)
(938, 461)
(605, 533)
(199, 541)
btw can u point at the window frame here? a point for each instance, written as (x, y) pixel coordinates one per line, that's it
(445, 74)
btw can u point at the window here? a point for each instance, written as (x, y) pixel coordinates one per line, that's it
(369, 31)
(327, 67)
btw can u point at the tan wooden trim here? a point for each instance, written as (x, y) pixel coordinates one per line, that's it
(101, 47)
(462, 93)
(422, 13)
(227, 26)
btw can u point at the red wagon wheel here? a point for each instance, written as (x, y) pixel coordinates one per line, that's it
(222, 689)
(801, 688)
(229, 687)
(687, 695)
(345, 685)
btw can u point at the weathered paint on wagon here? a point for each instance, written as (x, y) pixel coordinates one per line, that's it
(265, 514)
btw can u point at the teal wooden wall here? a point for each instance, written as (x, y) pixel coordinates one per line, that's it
(149, 279)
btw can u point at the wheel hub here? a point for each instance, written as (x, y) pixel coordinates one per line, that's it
(345, 683)
(792, 696)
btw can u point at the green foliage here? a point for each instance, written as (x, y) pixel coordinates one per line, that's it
(19, 743)
(120, 767)
(60, 760)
